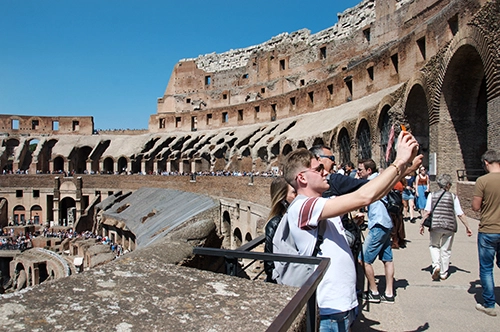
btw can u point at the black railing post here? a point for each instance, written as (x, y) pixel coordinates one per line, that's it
(311, 313)
(231, 266)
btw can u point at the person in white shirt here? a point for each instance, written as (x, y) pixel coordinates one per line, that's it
(336, 293)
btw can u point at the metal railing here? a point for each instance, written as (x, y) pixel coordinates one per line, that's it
(305, 295)
(469, 174)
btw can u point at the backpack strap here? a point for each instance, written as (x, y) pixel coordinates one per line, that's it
(320, 238)
(432, 211)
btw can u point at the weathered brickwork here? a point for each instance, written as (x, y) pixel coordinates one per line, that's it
(46, 125)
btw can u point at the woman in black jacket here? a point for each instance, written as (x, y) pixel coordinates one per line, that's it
(282, 194)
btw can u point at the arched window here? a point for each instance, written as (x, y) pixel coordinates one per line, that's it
(344, 146)
(385, 131)
(364, 141)
(19, 215)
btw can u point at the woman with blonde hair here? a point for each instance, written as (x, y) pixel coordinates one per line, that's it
(282, 194)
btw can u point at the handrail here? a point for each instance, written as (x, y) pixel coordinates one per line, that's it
(469, 174)
(306, 293)
(252, 244)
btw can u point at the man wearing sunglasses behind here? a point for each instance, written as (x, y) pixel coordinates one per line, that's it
(339, 184)
(336, 294)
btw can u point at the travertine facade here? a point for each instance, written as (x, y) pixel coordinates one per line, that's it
(432, 65)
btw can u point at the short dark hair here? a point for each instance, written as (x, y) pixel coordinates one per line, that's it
(369, 164)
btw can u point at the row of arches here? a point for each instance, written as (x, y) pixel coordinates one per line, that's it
(38, 214)
(21, 216)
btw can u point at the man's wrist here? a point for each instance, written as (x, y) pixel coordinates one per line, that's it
(401, 165)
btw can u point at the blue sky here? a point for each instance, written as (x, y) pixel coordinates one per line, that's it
(111, 59)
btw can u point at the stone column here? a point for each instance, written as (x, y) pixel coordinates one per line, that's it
(55, 210)
(89, 166)
(155, 166)
(66, 166)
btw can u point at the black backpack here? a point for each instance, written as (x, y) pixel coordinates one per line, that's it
(394, 202)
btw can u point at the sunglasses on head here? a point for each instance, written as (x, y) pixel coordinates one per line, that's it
(332, 158)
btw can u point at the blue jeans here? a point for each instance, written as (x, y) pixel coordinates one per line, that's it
(377, 243)
(337, 322)
(488, 245)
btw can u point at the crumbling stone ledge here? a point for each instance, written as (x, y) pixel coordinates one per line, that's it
(146, 291)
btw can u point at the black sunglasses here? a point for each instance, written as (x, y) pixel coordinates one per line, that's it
(332, 158)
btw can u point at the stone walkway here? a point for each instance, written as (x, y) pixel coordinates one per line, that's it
(425, 305)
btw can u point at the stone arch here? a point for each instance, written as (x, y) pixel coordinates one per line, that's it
(287, 149)
(123, 165)
(174, 165)
(263, 154)
(20, 276)
(226, 229)
(43, 272)
(344, 145)
(248, 237)
(318, 141)
(27, 156)
(418, 115)
(237, 238)
(19, 213)
(385, 126)
(8, 155)
(363, 138)
(108, 165)
(36, 214)
(79, 160)
(463, 102)
(65, 215)
(43, 157)
(487, 51)
(59, 164)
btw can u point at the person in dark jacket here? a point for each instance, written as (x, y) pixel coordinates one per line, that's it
(282, 194)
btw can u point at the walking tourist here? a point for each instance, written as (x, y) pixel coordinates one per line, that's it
(422, 186)
(378, 240)
(486, 198)
(444, 206)
(409, 198)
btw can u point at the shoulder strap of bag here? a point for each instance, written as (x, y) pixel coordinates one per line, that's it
(437, 201)
(321, 232)
(320, 237)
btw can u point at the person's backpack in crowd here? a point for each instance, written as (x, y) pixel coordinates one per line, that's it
(289, 273)
(394, 202)
(353, 234)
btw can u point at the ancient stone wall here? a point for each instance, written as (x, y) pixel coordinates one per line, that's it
(46, 125)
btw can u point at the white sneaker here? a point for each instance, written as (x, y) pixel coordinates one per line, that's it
(488, 311)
